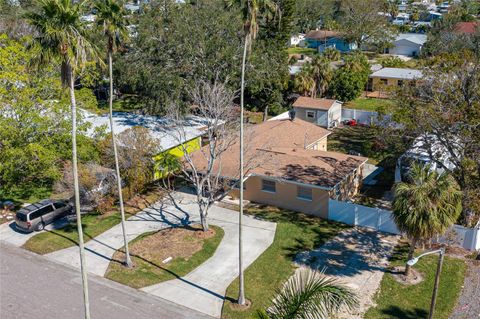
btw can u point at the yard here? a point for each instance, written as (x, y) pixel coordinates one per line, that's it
(295, 233)
(298, 50)
(188, 248)
(93, 225)
(370, 104)
(396, 300)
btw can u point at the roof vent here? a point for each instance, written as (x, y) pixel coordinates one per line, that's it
(291, 114)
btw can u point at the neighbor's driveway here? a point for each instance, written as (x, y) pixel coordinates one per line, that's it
(357, 257)
(204, 288)
(13, 236)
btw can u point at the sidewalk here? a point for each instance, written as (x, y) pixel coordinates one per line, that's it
(204, 288)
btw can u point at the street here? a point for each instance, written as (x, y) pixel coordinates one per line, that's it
(33, 287)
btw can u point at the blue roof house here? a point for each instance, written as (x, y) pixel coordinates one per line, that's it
(322, 39)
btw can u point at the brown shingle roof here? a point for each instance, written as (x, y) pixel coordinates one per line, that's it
(275, 148)
(311, 103)
(466, 27)
(322, 34)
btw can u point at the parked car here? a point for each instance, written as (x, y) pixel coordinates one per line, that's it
(36, 216)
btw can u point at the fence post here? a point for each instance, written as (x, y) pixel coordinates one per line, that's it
(379, 218)
(355, 219)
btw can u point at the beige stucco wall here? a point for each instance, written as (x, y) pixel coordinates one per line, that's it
(286, 197)
(320, 145)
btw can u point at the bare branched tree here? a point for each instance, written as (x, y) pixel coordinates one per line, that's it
(214, 109)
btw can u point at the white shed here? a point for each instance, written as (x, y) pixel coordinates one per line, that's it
(408, 44)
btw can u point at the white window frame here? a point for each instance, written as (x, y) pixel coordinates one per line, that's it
(269, 190)
(309, 199)
(310, 112)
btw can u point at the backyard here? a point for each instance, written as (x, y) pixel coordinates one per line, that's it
(295, 233)
(398, 300)
(370, 104)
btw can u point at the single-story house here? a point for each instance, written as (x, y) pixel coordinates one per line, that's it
(391, 77)
(408, 44)
(170, 141)
(323, 39)
(297, 40)
(467, 27)
(322, 112)
(288, 171)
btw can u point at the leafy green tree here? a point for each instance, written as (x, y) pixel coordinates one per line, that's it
(361, 23)
(312, 14)
(60, 36)
(332, 54)
(350, 80)
(426, 206)
(111, 20)
(310, 294)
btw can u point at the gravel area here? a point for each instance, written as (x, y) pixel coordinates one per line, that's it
(468, 306)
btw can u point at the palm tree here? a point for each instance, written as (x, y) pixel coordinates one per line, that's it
(252, 11)
(60, 36)
(425, 206)
(310, 294)
(110, 18)
(322, 73)
(304, 82)
(332, 54)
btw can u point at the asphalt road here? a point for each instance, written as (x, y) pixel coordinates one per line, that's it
(33, 287)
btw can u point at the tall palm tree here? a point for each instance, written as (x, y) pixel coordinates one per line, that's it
(310, 294)
(111, 19)
(322, 73)
(304, 82)
(61, 37)
(252, 12)
(426, 205)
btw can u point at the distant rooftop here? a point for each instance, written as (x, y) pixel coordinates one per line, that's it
(321, 34)
(467, 27)
(311, 103)
(398, 73)
(412, 37)
(160, 128)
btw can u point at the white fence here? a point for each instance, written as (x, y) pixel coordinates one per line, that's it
(365, 117)
(359, 215)
(381, 220)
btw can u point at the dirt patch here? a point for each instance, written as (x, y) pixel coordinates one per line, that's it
(398, 273)
(236, 307)
(172, 242)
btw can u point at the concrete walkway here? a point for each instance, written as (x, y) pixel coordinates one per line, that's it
(204, 288)
(357, 257)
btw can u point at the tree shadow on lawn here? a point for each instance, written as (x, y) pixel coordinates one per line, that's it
(396, 312)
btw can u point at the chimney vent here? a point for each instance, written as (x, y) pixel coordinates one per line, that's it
(291, 114)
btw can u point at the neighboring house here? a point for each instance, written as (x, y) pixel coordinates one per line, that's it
(322, 112)
(297, 40)
(408, 44)
(401, 19)
(322, 39)
(170, 140)
(288, 171)
(467, 27)
(391, 77)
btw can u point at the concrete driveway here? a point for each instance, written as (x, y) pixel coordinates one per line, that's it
(358, 258)
(204, 288)
(10, 234)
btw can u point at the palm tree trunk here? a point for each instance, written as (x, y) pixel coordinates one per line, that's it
(83, 266)
(241, 290)
(411, 251)
(128, 261)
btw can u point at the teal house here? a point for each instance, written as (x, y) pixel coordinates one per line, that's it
(322, 39)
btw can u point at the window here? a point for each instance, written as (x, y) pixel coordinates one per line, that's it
(59, 205)
(400, 82)
(304, 193)
(310, 114)
(383, 81)
(42, 211)
(268, 186)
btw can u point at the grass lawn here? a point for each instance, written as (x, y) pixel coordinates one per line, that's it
(93, 225)
(186, 246)
(295, 233)
(298, 50)
(50, 241)
(370, 104)
(395, 300)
